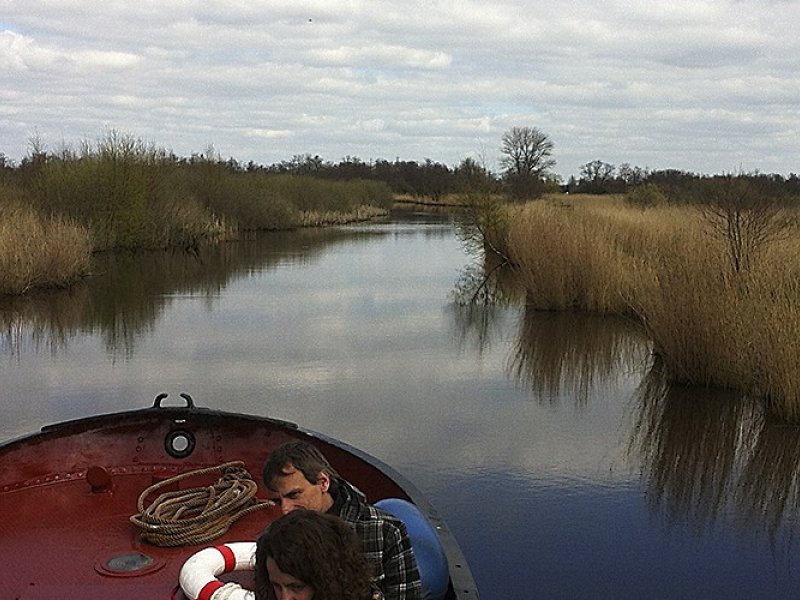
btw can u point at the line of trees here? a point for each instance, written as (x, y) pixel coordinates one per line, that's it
(526, 160)
(598, 177)
(427, 178)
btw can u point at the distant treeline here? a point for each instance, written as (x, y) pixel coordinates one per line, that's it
(433, 179)
(598, 177)
(428, 178)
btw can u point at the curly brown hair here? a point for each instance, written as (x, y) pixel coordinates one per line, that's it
(321, 550)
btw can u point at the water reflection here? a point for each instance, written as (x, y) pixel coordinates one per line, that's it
(556, 354)
(47, 320)
(484, 288)
(767, 490)
(564, 354)
(476, 310)
(128, 292)
(705, 453)
(689, 441)
(707, 457)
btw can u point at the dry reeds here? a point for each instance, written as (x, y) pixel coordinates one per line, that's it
(572, 256)
(711, 324)
(39, 251)
(319, 218)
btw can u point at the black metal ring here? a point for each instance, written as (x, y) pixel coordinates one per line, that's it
(176, 450)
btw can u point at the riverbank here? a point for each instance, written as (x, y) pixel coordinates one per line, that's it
(447, 201)
(122, 194)
(711, 323)
(38, 250)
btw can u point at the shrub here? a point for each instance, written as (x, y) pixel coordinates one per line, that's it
(745, 216)
(646, 196)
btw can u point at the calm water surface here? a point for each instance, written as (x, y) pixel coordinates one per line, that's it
(563, 465)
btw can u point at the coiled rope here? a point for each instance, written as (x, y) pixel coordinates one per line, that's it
(201, 514)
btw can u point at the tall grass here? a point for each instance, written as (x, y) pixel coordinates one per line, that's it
(577, 256)
(710, 324)
(259, 200)
(38, 251)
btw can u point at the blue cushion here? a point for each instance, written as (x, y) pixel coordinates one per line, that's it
(431, 559)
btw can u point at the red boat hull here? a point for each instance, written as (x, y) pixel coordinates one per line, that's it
(68, 492)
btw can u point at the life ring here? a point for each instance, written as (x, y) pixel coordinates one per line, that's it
(198, 577)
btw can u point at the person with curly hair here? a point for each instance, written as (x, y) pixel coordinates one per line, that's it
(306, 555)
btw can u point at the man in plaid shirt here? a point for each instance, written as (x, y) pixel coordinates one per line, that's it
(299, 476)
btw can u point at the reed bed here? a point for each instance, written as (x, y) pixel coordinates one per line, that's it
(39, 251)
(573, 256)
(710, 324)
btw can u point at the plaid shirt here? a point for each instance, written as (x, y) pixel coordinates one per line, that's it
(385, 542)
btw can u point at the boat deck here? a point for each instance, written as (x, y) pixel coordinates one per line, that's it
(67, 495)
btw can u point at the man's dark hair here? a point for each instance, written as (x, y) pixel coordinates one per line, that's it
(302, 456)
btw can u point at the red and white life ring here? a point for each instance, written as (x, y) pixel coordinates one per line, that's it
(198, 577)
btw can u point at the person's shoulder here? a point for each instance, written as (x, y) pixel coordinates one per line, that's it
(381, 515)
(370, 513)
(355, 508)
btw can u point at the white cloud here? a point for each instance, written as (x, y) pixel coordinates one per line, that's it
(380, 56)
(268, 134)
(20, 53)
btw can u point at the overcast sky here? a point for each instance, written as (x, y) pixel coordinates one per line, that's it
(705, 86)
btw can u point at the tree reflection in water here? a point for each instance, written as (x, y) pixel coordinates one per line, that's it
(479, 300)
(704, 453)
(128, 292)
(555, 354)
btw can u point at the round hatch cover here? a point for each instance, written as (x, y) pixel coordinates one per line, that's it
(128, 564)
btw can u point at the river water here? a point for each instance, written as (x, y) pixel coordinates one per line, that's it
(548, 442)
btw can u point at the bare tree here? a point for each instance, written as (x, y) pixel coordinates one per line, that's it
(526, 159)
(597, 174)
(746, 218)
(631, 175)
